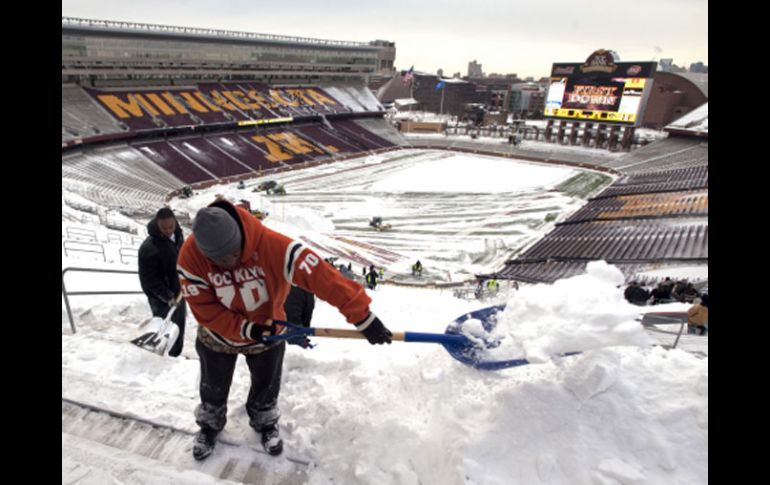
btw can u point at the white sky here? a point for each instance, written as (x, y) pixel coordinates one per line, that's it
(523, 37)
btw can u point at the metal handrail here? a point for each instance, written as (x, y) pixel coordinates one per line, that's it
(88, 247)
(680, 318)
(67, 294)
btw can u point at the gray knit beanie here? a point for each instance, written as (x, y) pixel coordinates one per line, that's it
(216, 233)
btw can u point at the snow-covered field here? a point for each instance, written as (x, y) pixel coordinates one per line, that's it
(622, 412)
(457, 214)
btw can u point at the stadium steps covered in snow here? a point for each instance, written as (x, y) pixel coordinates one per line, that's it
(171, 446)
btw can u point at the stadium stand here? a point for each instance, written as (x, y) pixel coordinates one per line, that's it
(118, 177)
(646, 205)
(667, 154)
(81, 117)
(655, 216)
(130, 138)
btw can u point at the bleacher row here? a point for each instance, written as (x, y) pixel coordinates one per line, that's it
(646, 205)
(625, 241)
(82, 118)
(667, 154)
(674, 180)
(650, 218)
(118, 176)
(138, 176)
(549, 270)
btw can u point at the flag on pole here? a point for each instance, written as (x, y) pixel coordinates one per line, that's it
(440, 85)
(408, 75)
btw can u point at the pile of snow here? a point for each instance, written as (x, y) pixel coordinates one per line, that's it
(424, 116)
(581, 313)
(408, 413)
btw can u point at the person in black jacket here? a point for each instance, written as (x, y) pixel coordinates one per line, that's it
(299, 306)
(157, 270)
(636, 294)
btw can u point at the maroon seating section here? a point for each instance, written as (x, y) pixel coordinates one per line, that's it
(169, 159)
(371, 140)
(242, 149)
(208, 157)
(319, 135)
(219, 155)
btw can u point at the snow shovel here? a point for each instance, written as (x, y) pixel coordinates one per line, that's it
(161, 333)
(459, 346)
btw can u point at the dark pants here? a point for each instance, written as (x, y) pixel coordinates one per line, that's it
(160, 309)
(217, 375)
(299, 306)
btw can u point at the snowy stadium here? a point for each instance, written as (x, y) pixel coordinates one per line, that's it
(562, 227)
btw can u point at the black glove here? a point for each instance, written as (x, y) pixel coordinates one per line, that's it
(256, 331)
(374, 331)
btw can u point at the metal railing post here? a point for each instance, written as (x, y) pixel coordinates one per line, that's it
(66, 293)
(67, 301)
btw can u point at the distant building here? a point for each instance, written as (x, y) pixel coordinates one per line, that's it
(699, 68)
(494, 91)
(527, 100)
(665, 64)
(386, 56)
(474, 69)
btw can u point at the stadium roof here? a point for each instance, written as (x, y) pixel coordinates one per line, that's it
(695, 122)
(700, 80)
(120, 28)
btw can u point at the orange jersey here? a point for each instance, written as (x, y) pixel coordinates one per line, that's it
(227, 302)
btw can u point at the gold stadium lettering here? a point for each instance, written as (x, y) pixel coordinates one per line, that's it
(173, 102)
(253, 94)
(221, 101)
(280, 100)
(300, 93)
(160, 104)
(240, 99)
(205, 101)
(193, 103)
(145, 104)
(293, 143)
(321, 98)
(237, 102)
(274, 149)
(121, 108)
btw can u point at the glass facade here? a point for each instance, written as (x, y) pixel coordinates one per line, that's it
(103, 49)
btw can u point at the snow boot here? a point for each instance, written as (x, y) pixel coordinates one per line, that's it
(272, 443)
(205, 441)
